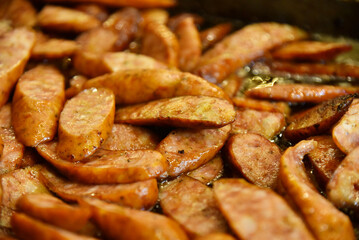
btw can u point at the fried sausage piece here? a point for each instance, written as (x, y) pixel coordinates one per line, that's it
(267, 124)
(192, 204)
(21, 13)
(231, 85)
(119, 61)
(76, 86)
(186, 149)
(213, 35)
(5, 116)
(262, 105)
(85, 123)
(65, 19)
(118, 222)
(342, 188)
(139, 86)
(155, 15)
(51, 210)
(97, 10)
(15, 184)
(310, 50)
(184, 111)
(216, 236)
(317, 119)
(128, 137)
(160, 43)
(15, 49)
(36, 105)
(125, 3)
(300, 92)
(208, 172)
(346, 132)
(324, 220)
(28, 228)
(256, 158)
(190, 46)
(243, 46)
(107, 167)
(257, 213)
(325, 158)
(139, 195)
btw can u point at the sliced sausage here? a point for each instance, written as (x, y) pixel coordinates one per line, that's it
(300, 92)
(139, 195)
(317, 119)
(256, 158)
(211, 36)
(184, 111)
(36, 105)
(126, 3)
(76, 86)
(324, 220)
(65, 19)
(85, 123)
(267, 124)
(21, 13)
(216, 236)
(26, 227)
(118, 222)
(155, 15)
(51, 210)
(98, 11)
(257, 213)
(243, 46)
(311, 50)
(128, 137)
(186, 150)
(192, 205)
(139, 86)
(325, 158)
(262, 105)
(231, 85)
(5, 116)
(208, 172)
(107, 167)
(346, 132)
(15, 48)
(173, 21)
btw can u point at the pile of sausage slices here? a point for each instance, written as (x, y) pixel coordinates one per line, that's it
(119, 120)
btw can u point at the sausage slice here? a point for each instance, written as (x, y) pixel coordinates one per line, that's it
(85, 123)
(5, 116)
(213, 35)
(126, 3)
(208, 172)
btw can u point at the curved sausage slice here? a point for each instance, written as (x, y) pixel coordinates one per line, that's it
(257, 213)
(75, 86)
(139, 195)
(216, 236)
(118, 222)
(256, 158)
(139, 86)
(107, 167)
(38, 100)
(126, 3)
(324, 220)
(262, 105)
(21, 13)
(342, 189)
(85, 123)
(208, 172)
(5, 116)
(346, 132)
(51, 210)
(185, 111)
(52, 47)
(211, 36)
(192, 205)
(15, 50)
(187, 150)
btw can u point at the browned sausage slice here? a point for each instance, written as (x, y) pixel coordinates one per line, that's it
(76, 86)
(324, 220)
(192, 205)
(257, 213)
(15, 49)
(126, 3)
(128, 137)
(25, 226)
(139, 195)
(107, 167)
(311, 50)
(5, 116)
(216, 236)
(232, 84)
(21, 13)
(186, 150)
(124, 223)
(85, 123)
(317, 119)
(256, 158)
(211, 36)
(184, 111)
(342, 188)
(38, 100)
(300, 92)
(267, 124)
(66, 19)
(98, 11)
(261, 105)
(243, 46)
(208, 172)
(51, 210)
(325, 158)
(139, 86)
(155, 15)
(346, 132)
